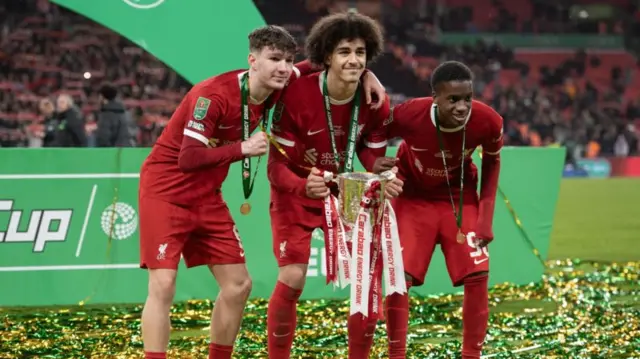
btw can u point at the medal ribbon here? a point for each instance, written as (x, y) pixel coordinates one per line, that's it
(458, 213)
(353, 128)
(247, 181)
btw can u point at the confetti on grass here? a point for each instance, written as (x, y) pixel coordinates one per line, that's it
(578, 310)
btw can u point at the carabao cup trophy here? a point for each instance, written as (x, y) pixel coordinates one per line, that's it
(361, 240)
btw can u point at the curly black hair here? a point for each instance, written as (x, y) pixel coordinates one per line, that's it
(450, 71)
(327, 33)
(273, 37)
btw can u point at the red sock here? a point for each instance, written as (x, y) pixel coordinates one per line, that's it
(361, 331)
(281, 320)
(475, 315)
(219, 351)
(397, 307)
(154, 355)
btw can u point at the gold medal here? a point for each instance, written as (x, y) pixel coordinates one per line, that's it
(461, 237)
(245, 208)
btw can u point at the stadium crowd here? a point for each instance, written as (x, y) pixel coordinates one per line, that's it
(53, 92)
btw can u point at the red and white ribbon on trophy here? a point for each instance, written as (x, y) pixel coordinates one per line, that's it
(394, 280)
(375, 250)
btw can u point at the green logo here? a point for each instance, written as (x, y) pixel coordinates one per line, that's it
(200, 111)
(119, 221)
(143, 4)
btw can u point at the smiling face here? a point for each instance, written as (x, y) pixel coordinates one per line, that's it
(273, 66)
(272, 49)
(453, 99)
(348, 60)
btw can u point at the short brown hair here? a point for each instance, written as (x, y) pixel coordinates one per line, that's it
(272, 36)
(327, 33)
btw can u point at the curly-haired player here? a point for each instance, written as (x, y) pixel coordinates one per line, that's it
(322, 117)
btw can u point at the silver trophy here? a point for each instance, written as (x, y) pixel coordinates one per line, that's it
(353, 186)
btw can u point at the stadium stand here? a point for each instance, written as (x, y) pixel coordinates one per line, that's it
(558, 76)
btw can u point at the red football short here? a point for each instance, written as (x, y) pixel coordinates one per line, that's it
(291, 226)
(203, 235)
(422, 224)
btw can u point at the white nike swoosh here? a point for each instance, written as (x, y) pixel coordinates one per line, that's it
(280, 335)
(475, 261)
(419, 149)
(222, 127)
(311, 133)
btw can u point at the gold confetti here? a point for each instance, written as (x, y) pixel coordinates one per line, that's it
(578, 310)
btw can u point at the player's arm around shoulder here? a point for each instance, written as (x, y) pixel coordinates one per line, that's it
(378, 134)
(373, 155)
(372, 148)
(406, 117)
(373, 88)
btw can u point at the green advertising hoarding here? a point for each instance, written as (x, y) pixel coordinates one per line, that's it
(57, 209)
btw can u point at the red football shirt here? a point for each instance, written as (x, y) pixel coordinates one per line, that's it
(300, 128)
(420, 159)
(211, 114)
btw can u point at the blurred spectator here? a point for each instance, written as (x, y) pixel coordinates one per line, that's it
(587, 100)
(115, 125)
(70, 131)
(50, 122)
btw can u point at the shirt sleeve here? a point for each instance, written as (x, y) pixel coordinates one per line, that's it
(377, 137)
(285, 133)
(493, 143)
(303, 68)
(491, 146)
(403, 117)
(374, 143)
(197, 152)
(203, 112)
(300, 69)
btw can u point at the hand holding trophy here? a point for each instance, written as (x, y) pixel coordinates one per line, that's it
(361, 239)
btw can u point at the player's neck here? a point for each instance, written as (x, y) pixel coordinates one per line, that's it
(258, 92)
(338, 89)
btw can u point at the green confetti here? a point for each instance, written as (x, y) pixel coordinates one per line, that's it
(571, 313)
